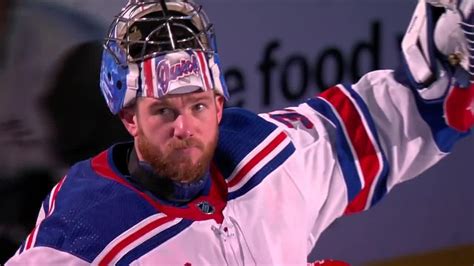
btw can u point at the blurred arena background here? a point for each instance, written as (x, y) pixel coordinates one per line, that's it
(275, 53)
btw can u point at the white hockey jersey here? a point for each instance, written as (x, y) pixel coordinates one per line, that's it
(278, 180)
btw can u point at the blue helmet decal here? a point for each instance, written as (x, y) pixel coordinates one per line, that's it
(113, 78)
(223, 84)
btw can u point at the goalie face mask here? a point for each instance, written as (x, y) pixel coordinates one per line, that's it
(154, 48)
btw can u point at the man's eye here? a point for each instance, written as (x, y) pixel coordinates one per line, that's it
(199, 107)
(164, 111)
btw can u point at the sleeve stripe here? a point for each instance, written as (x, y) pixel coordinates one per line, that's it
(433, 113)
(52, 203)
(266, 157)
(252, 162)
(21, 249)
(45, 206)
(365, 149)
(343, 149)
(154, 240)
(274, 161)
(31, 239)
(380, 188)
(358, 150)
(134, 237)
(254, 134)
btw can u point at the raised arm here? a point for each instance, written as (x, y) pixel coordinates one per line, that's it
(355, 142)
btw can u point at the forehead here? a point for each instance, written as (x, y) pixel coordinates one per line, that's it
(175, 99)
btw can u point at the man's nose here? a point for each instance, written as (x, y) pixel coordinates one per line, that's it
(183, 126)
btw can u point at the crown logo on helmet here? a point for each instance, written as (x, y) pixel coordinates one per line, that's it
(168, 73)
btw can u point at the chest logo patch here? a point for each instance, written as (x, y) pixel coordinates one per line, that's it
(206, 207)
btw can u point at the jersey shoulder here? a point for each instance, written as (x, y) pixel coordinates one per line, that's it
(87, 210)
(249, 149)
(240, 132)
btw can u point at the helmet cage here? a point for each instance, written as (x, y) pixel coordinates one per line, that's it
(202, 36)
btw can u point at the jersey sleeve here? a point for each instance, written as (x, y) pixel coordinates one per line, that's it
(45, 256)
(354, 143)
(29, 254)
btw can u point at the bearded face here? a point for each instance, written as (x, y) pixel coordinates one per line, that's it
(173, 161)
(177, 134)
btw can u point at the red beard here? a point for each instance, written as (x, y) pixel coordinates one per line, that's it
(170, 164)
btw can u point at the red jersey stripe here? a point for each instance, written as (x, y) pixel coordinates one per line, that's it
(364, 148)
(255, 160)
(108, 258)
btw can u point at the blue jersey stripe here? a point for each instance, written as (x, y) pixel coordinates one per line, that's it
(242, 127)
(22, 247)
(154, 242)
(46, 204)
(264, 172)
(344, 154)
(381, 186)
(432, 112)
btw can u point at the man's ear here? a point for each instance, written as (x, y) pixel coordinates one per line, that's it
(128, 117)
(219, 107)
